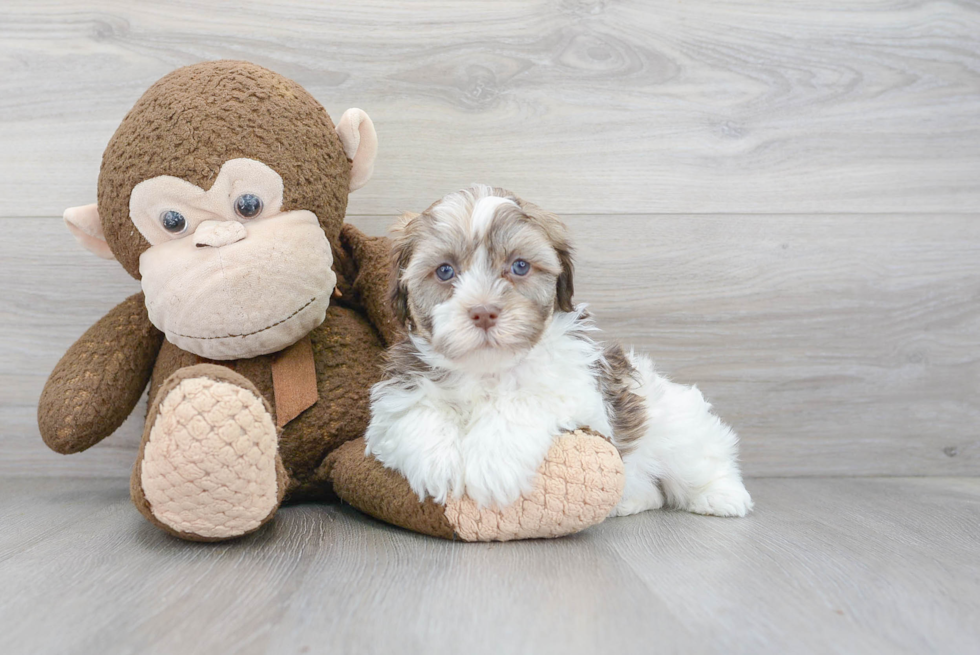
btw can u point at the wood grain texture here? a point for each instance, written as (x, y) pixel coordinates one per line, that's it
(776, 200)
(823, 565)
(837, 345)
(586, 107)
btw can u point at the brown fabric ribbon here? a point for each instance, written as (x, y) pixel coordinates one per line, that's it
(294, 381)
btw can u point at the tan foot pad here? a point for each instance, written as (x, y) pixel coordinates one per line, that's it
(577, 486)
(209, 464)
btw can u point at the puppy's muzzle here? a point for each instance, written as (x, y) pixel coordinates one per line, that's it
(484, 316)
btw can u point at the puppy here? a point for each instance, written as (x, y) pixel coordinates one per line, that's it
(498, 362)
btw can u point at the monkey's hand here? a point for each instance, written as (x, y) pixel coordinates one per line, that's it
(100, 379)
(369, 260)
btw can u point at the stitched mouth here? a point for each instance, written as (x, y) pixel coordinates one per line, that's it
(248, 334)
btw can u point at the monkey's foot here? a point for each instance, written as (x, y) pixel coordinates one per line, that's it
(209, 466)
(577, 486)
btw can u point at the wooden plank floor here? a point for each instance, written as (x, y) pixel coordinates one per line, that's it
(824, 565)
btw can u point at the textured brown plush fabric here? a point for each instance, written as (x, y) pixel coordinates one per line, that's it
(100, 379)
(193, 120)
(382, 493)
(348, 356)
(187, 125)
(369, 267)
(214, 372)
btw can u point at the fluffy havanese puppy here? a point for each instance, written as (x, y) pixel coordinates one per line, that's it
(498, 362)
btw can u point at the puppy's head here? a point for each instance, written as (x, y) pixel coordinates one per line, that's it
(480, 273)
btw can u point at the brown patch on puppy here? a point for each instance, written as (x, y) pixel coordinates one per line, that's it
(403, 359)
(403, 245)
(440, 245)
(627, 410)
(403, 362)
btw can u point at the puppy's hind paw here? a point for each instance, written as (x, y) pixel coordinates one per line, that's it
(722, 498)
(636, 501)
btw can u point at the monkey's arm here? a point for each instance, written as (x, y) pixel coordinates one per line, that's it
(100, 379)
(368, 266)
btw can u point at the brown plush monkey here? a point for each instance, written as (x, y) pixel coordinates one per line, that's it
(224, 191)
(262, 322)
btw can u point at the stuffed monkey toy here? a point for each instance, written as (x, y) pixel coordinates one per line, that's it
(261, 324)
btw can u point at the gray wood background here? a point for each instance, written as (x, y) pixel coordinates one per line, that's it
(778, 201)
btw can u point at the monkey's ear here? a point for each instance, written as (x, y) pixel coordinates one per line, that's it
(356, 132)
(86, 226)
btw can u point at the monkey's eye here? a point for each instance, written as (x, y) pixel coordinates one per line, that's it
(520, 267)
(173, 221)
(445, 272)
(248, 205)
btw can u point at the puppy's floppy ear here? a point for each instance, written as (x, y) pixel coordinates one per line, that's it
(566, 288)
(557, 234)
(401, 254)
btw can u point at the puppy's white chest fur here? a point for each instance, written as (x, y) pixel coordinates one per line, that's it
(554, 385)
(464, 427)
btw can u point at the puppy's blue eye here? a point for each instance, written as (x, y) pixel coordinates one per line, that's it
(173, 221)
(520, 267)
(445, 272)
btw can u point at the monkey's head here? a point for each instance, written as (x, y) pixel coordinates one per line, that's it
(224, 190)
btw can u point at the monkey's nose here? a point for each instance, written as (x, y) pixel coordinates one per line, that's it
(484, 316)
(218, 233)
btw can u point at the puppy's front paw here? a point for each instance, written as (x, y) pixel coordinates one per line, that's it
(435, 477)
(423, 449)
(576, 486)
(497, 479)
(492, 483)
(726, 497)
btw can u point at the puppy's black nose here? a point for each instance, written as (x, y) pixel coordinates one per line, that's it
(484, 316)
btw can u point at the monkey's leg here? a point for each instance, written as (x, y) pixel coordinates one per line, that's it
(209, 466)
(577, 486)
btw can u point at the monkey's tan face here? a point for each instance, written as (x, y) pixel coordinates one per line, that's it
(228, 274)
